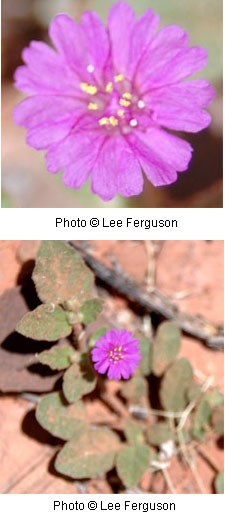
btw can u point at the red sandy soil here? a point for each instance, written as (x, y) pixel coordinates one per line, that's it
(190, 272)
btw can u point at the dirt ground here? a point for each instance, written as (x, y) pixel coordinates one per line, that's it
(190, 273)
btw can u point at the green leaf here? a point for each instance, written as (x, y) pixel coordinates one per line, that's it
(133, 432)
(60, 275)
(146, 352)
(194, 392)
(59, 418)
(217, 420)
(79, 379)
(131, 463)
(90, 310)
(89, 456)
(165, 347)
(135, 389)
(96, 335)
(159, 433)
(201, 419)
(214, 397)
(58, 357)
(174, 385)
(219, 483)
(46, 322)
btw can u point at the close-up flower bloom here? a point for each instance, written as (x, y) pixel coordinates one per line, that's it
(116, 353)
(103, 100)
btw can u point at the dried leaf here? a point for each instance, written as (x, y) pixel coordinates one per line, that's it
(174, 385)
(89, 456)
(131, 463)
(165, 347)
(58, 357)
(46, 322)
(79, 379)
(90, 310)
(60, 275)
(60, 418)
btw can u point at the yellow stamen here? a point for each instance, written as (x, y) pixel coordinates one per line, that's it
(124, 103)
(113, 121)
(92, 106)
(104, 121)
(120, 112)
(88, 88)
(119, 78)
(128, 96)
(109, 87)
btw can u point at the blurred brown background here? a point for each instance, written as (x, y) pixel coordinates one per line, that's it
(25, 180)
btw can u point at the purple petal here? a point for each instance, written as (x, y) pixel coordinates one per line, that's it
(45, 72)
(114, 372)
(179, 106)
(161, 155)
(182, 64)
(79, 149)
(69, 39)
(142, 34)
(170, 36)
(40, 137)
(37, 109)
(121, 20)
(102, 365)
(97, 39)
(116, 170)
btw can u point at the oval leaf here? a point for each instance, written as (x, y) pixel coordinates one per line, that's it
(131, 463)
(174, 385)
(165, 347)
(145, 365)
(90, 310)
(89, 456)
(219, 483)
(46, 322)
(60, 419)
(61, 275)
(79, 379)
(58, 357)
(159, 433)
(133, 432)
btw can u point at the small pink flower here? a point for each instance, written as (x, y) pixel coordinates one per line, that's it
(102, 101)
(116, 353)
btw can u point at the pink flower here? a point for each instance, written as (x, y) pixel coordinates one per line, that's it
(116, 353)
(101, 101)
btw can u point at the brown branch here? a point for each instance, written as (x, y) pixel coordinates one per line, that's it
(194, 325)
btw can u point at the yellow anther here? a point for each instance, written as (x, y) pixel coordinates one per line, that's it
(121, 112)
(88, 88)
(124, 103)
(104, 121)
(113, 121)
(119, 78)
(92, 106)
(128, 96)
(109, 87)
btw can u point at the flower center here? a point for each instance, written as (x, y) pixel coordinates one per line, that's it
(116, 105)
(116, 354)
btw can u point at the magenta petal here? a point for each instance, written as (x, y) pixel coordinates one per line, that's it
(121, 20)
(37, 109)
(171, 36)
(97, 40)
(161, 155)
(116, 170)
(141, 36)
(114, 372)
(77, 149)
(69, 39)
(40, 137)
